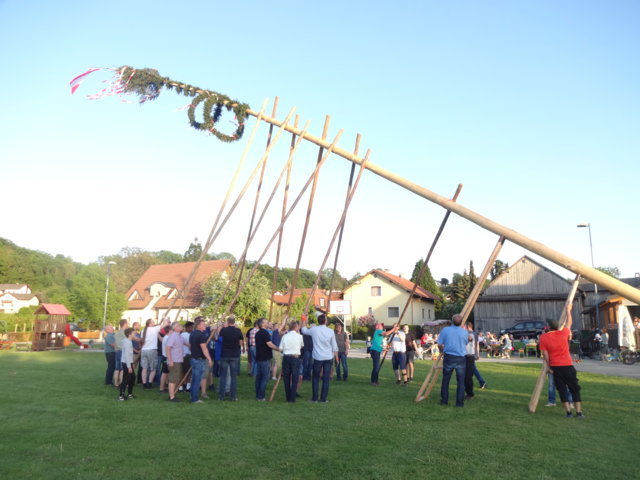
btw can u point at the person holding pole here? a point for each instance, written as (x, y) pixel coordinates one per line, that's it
(554, 346)
(342, 339)
(325, 350)
(377, 347)
(452, 341)
(291, 346)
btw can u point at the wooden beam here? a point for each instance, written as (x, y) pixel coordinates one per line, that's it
(587, 272)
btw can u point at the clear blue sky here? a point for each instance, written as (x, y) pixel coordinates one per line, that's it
(533, 105)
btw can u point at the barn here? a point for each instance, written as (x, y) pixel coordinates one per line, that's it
(526, 291)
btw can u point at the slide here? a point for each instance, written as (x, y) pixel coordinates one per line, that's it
(67, 331)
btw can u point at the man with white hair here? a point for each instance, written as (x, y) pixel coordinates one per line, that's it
(175, 358)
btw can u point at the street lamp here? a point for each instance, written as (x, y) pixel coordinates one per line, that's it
(595, 285)
(106, 294)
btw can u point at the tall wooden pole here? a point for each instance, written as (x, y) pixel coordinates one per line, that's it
(585, 271)
(422, 270)
(466, 311)
(535, 396)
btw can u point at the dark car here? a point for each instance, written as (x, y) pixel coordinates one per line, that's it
(528, 329)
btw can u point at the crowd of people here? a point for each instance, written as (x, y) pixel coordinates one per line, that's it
(187, 358)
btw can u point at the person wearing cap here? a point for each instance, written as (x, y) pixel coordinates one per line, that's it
(377, 348)
(174, 348)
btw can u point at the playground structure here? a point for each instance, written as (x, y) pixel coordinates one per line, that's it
(50, 327)
(148, 84)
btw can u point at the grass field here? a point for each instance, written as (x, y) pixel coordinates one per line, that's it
(58, 421)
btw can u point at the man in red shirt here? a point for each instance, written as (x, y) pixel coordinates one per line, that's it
(554, 346)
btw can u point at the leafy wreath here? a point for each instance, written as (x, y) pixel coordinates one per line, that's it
(147, 84)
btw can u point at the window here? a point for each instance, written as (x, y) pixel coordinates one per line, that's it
(376, 291)
(369, 311)
(429, 313)
(423, 313)
(322, 303)
(393, 312)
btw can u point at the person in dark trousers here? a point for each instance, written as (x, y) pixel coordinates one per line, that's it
(128, 372)
(554, 346)
(325, 351)
(342, 339)
(307, 358)
(377, 346)
(110, 354)
(452, 341)
(232, 345)
(264, 346)
(472, 354)
(199, 358)
(290, 346)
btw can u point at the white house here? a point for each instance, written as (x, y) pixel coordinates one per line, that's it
(14, 296)
(384, 295)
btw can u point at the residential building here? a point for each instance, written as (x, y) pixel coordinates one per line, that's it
(320, 298)
(154, 292)
(526, 291)
(14, 296)
(384, 296)
(605, 298)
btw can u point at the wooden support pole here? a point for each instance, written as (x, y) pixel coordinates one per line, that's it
(587, 272)
(423, 269)
(466, 311)
(537, 390)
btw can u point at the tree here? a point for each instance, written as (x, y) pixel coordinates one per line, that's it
(611, 271)
(252, 303)
(498, 267)
(193, 252)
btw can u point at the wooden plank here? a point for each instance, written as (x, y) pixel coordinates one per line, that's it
(587, 272)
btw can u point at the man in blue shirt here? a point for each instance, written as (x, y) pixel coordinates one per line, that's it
(453, 342)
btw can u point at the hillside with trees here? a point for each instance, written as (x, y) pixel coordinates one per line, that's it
(81, 288)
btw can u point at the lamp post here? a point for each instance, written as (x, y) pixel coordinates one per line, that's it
(595, 285)
(106, 295)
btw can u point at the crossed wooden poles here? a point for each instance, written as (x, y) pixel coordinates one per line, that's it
(432, 377)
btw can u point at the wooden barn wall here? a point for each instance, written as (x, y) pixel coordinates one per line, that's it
(494, 316)
(525, 277)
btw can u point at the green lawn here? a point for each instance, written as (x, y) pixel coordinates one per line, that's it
(58, 421)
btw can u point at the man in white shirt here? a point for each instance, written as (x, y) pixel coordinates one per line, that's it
(291, 345)
(149, 356)
(325, 351)
(399, 357)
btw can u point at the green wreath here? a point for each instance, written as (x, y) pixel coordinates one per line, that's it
(148, 83)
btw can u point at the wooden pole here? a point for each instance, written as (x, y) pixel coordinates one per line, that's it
(187, 284)
(291, 209)
(312, 196)
(535, 396)
(466, 311)
(337, 231)
(585, 271)
(422, 270)
(285, 199)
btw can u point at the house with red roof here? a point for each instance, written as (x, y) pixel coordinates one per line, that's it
(320, 298)
(162, 285)
(383, 295)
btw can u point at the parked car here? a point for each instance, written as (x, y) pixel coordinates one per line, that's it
(528, 329)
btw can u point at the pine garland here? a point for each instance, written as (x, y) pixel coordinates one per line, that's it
(147, 84)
